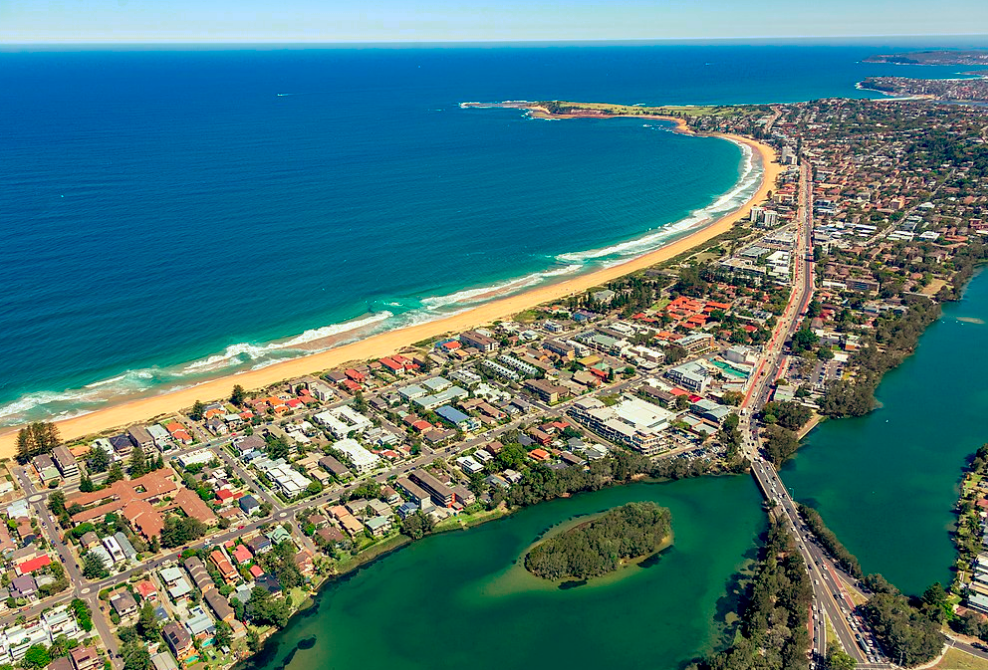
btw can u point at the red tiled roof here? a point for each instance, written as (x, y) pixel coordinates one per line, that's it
(34, 564)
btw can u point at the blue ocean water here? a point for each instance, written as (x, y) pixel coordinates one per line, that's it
(170, 215)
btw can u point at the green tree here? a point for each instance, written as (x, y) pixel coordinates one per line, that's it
(179, 531)
(56, 503)
(224, 634)
(82, 614)
(36, 657)
(98, 459)
(238, 395)
(135, 656)
(198, 409)
(86, 485)
(417, 525)
(115, 474)
(147, 622)
(838, 659)
(138, 463)
(93, 566)
(803, 340)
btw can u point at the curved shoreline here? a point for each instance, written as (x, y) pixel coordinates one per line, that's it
(138, 410)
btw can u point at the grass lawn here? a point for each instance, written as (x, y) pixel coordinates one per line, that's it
(464, 521)
(955, 659)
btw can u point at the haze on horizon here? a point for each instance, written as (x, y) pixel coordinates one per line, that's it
(329, 21)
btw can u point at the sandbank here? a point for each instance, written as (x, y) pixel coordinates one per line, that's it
(143, 409)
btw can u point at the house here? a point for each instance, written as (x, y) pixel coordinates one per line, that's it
(259, 545)
(378, 525)
(547, 391)
(478, 341)
(147, 590)
(45, 467)
(269, 583)
(89, 540)
(163, 661)
(199, 574)
(28, 567)
(179, 641)
(23, 587)
(227, 571)
(241, 554)
(303, 561)
(141, 438)
(221, 608)
(176, 584)
(194, 507)
(333, 466)
(331, 535)
(249, 505)
(441, 494)
(62, 663)
(123, 603)
(200, 625)
(85, 658)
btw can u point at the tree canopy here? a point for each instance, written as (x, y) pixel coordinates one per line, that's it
(597, 547)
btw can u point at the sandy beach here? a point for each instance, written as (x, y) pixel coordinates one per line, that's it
(140, 410)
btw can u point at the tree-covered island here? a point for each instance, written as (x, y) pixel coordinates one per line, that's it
(600, 546)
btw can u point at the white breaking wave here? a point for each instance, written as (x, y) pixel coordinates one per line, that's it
(76, 402)
(335, 329)
(243, 352)
(474, 295)
(745, 187)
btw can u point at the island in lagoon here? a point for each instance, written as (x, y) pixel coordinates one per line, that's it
(602, 545)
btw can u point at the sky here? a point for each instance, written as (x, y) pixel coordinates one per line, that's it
(293, 21)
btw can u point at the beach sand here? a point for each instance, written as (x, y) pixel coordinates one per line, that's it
(384, 344)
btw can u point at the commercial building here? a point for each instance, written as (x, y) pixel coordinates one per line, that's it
(633, 422)
(691, 376)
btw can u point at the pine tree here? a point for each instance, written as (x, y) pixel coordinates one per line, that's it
(138, 463)
(198, 409)
(115, 474)
(86, 485)
(24, 445)
(53, 434)
(238, 396)
(160, 463)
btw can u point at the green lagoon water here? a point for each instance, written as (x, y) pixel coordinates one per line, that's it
(886, 483)
(458, 600)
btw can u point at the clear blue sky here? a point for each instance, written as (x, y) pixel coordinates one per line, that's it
(84, 21)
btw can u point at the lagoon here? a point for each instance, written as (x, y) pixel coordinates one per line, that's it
(886, 483)
(460, 600)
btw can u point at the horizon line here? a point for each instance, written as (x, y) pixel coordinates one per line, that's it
(549, 41)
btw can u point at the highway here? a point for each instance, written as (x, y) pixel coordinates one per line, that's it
(829, 594)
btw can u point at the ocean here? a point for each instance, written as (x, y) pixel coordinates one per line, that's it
(171, 215)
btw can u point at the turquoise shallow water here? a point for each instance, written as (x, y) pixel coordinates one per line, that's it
(168, 215)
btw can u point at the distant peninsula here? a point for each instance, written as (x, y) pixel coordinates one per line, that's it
(943, 57)
(601, 546)
(559, 109)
